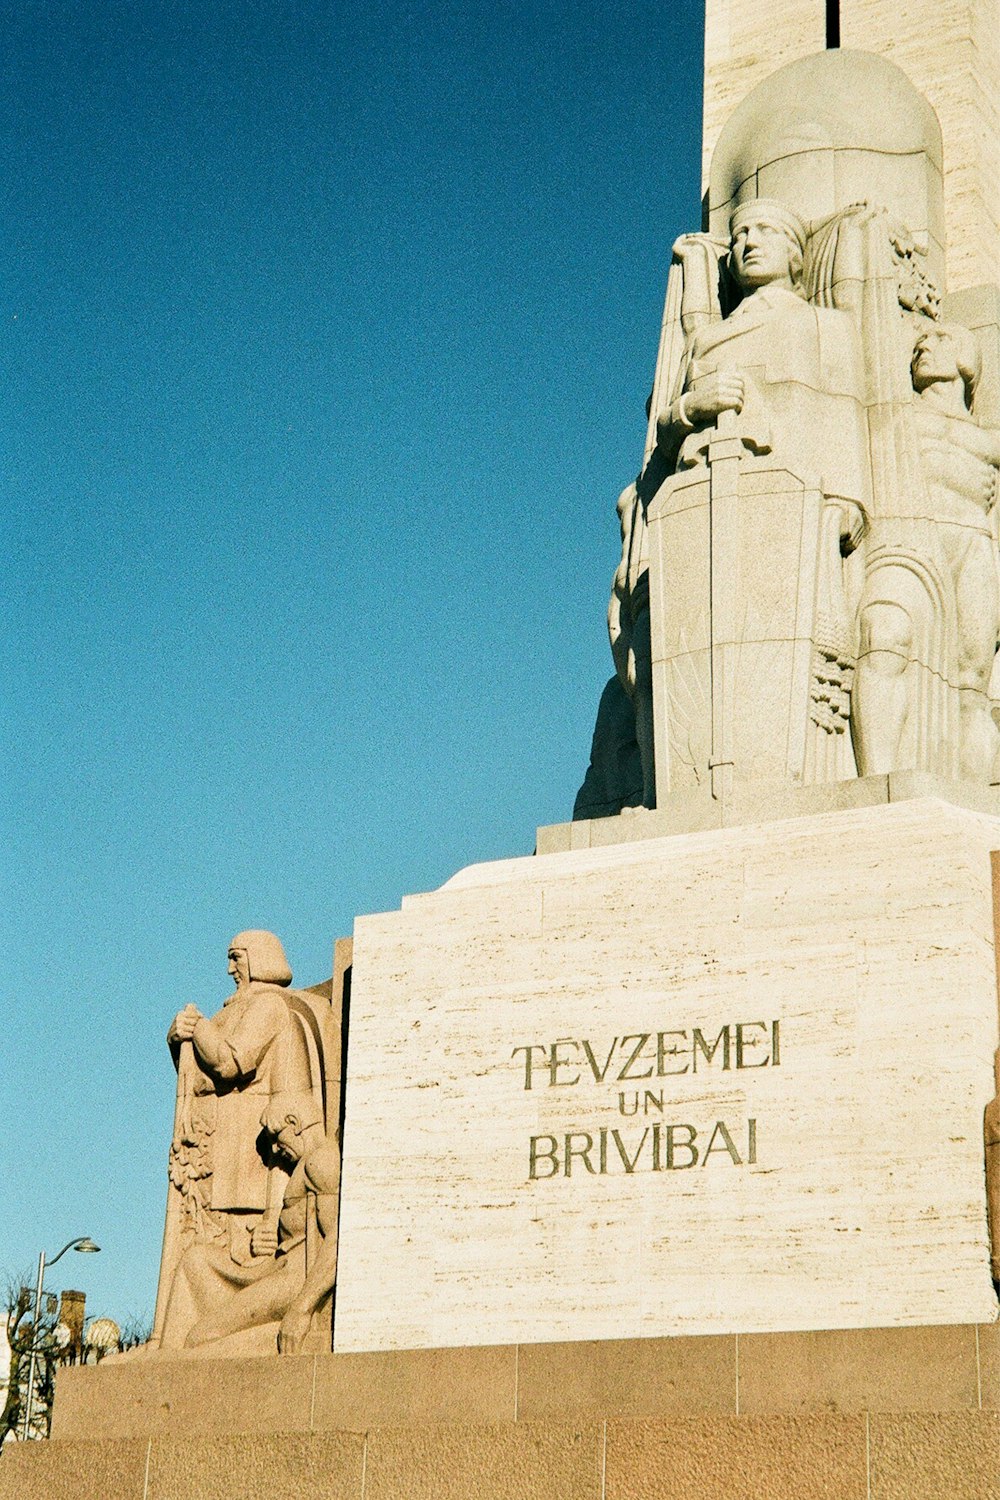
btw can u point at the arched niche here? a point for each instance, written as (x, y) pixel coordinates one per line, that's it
(829, 130)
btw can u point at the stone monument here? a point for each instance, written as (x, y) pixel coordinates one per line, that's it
(671, 1154)
(251, 1225)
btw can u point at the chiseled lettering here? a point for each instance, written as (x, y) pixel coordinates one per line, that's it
(629, 1162)
(640, 1042)
(599, 1073)
(657, 1133)
(583, 1152)
(556, 1062)
(604, 1150)
(674, 1145)
(663, 1052)
(748, 1042)
(536, 1047)
(751, 1142)
(651, 1100)
(635, 1103)
(537, 1155)
(775, 1044)
(699, 1044)
(727, 1145)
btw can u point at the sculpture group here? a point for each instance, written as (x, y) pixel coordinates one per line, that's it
(808, 588)
(250, 1246)
(808, 592)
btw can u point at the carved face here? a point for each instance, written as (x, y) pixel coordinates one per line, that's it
(935, 358)
(239, 966)
(762, 252)
(287, 1141)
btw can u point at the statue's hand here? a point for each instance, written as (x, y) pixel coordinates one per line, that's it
(723, 391)
(183, 1024)
(264, 1240)
(293, 1330)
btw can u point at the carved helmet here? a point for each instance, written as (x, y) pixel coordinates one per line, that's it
(265, 956)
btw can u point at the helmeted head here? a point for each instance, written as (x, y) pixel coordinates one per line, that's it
(946, 351)
(767, 243)
(261, 956)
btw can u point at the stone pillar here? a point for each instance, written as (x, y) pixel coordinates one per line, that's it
(951, 50)
(745, 41)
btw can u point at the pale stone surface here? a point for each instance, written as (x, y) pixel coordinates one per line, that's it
(737, 610)
(978, 309)
(745, 41)
(808, 582)
(950, 52)
(930, 609)
(250, 1244)
(699, 811)
(831, 129)
(991, 1144)
(213, 1297)
(867, 936)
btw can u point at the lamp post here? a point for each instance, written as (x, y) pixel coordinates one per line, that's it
(86, 1246)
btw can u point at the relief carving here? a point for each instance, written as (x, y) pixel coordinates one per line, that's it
(254, 1157)
(931, 603)
(759, 393)
(804, 374)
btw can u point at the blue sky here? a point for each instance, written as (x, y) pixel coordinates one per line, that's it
(326, 334)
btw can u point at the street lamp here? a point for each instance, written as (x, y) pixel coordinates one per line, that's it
(86, 1246)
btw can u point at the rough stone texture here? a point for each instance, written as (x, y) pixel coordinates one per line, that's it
(768, 1458)
(278, 1466)
(888, 911)
(916, 1369)
(634, 1379)
(876, 1369)
(823, 1456)
(74, 1471)
(777, 1417)
(147, 1397)
(522, 1462)
(935, 1457)
(950, 51)
(420, 1385)
(988, 1350)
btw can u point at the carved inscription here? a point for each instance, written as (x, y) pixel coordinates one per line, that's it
(663, 1146)
(648, 1054)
